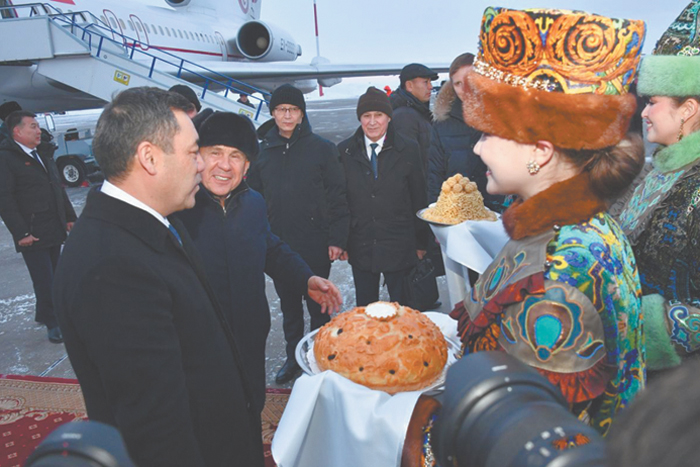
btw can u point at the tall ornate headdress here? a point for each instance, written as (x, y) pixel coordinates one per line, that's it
(674, 67)
(554, 75)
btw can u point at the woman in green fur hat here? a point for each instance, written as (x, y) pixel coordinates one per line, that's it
(662, 217)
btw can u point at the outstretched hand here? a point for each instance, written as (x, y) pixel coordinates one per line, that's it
(325, 293)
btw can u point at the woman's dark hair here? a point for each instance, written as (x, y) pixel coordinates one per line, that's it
(680, 100)
(611, 169)
(466, 59)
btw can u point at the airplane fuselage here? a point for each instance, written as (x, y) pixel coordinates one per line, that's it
(194, 30)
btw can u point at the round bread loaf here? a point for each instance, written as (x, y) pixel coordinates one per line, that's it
(402, 352)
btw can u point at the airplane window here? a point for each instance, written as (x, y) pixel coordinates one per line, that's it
(161, 30)
(131, 25)
(167, 30)
(104, 20)
(121, 22)
(138, 26)
(145, 26)
(180, 33)
(114, 23)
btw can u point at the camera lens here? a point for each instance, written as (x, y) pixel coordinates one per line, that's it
(499, 412)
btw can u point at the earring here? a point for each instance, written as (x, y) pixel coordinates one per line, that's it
(680, 131)
(533, 167)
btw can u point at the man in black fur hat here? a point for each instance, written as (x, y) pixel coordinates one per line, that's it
(230, 229)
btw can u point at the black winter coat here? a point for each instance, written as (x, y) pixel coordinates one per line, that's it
(148, 341)
(237, 250)
(32, 200)
(304, 187)
(452, 149)
(384, 230)
(413, 120)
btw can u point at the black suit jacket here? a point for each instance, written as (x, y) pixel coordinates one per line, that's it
(148, 341)
(32, 200)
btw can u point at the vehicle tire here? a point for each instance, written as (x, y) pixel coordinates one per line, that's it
(72, 172)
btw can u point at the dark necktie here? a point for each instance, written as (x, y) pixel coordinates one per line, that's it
(177, 235)
(35, 155)
(374, 158)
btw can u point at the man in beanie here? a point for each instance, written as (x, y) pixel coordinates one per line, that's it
(385, 188)
(411, 104)
(229, 226)
(300, 177)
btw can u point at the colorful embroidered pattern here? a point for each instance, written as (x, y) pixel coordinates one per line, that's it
(559, 50)
(685, 327)
(595, 259)
(647, 195)
(681, 38)
(668, 249)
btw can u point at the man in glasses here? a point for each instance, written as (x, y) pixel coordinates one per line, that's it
(299, 175)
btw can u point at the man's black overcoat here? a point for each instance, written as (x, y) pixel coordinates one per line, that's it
(148, 343)
(32, 200)
(384, 230)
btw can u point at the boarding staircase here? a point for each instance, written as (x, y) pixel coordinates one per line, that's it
(77, 49)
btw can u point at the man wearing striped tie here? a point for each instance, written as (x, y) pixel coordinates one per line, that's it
(385, 188)
(35, 209)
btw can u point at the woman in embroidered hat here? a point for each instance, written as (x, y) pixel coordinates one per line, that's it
(549, 91)
(661, 217)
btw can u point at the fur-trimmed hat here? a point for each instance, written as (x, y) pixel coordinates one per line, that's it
(674, 66)
(232, 130)
(373, 100)
(287, 94)
(555, 75)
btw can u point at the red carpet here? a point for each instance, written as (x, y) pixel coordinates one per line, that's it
(31, 407)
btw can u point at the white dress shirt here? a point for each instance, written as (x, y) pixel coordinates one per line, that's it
(29, 153)
(379, 142)
(116, 192)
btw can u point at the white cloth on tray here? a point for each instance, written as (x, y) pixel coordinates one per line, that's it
(331, 421)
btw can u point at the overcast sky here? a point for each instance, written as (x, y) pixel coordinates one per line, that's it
(396, 31)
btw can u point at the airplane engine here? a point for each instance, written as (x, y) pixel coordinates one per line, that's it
(261, 42)
(177, 3)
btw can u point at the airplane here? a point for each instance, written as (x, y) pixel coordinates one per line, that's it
(225, 40)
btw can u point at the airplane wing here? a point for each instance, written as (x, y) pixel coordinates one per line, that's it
(252, 70)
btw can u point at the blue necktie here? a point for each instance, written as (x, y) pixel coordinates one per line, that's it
(374, 158)
(177, 235)
(35, 155)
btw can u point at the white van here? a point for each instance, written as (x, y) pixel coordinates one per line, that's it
(72, 134)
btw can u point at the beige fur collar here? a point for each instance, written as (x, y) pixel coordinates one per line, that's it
(443, 102)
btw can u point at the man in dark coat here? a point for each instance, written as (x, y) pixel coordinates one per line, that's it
(300, 177)
(385, 188)
(229, 226)
(146, 337)
(35, 209)
(411, 104)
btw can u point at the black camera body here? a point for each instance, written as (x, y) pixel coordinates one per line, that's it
(499, 412)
